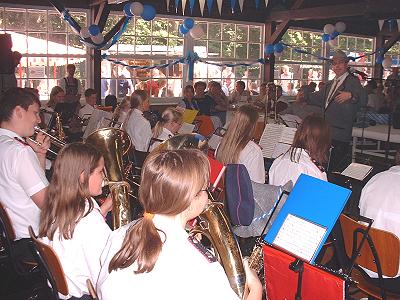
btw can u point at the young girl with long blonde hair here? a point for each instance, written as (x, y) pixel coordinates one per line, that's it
(71, 221)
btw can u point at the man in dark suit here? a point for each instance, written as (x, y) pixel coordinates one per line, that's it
(340, 100)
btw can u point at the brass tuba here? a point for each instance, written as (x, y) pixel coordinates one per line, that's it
(113, 143)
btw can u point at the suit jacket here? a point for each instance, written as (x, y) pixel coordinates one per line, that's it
(340, 116)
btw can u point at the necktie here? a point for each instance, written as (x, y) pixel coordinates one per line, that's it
(332, 92)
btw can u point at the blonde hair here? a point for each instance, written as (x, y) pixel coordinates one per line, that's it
(65, 202)
(170, 181)
(54, 91)
(240, 131)
(169, 115)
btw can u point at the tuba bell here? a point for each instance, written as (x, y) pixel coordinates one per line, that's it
(113, 143)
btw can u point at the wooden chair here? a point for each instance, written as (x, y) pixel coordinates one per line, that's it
(50, 266)
(381, 250)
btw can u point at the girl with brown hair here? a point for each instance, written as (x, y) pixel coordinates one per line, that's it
(237, 147)
(308, 154)
(154, 257)
(71, 221)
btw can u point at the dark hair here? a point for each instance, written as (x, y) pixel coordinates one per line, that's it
(89, 92)
(14, 97)
(71, 66)
(110, 100)
(314, 136)
(198, 83)
(241, 83)
(138, 97)
(171, 179)
(189, 87)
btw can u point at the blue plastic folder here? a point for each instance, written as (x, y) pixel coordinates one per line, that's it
(315, 203)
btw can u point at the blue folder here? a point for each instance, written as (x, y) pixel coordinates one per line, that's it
(313, 200)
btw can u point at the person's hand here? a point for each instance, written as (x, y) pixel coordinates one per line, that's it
(253, 283)
(343, 96)
(42, 143)
(106, 206)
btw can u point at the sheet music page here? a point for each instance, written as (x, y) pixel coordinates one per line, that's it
(214, 141)
(291, 120)
(280, 148)
(287, 135)
(186, 128)
(270, 137)
(357, 171)
(300, 237)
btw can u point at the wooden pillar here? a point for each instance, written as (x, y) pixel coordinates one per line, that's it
(378, 69)
(270, 59)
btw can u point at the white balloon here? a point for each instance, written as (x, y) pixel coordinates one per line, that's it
(387, 62)
(98, 39)
(329, 28)
(85, 32)
(340, 27)
(136, 8)
(196, 32)
(333, 43)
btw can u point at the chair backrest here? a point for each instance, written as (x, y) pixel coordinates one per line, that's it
(50, 264)
(239, 195)
(206, 127)
(217, 170)
(387, 246)
(6, 223)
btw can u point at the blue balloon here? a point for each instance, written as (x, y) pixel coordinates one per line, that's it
(127, 10)
(149, 12)
(325, 37)
(379, 60)
(188, 23)
(334, 35)
(183, 29)
(269, 49)
(278, 48)
(94, 30)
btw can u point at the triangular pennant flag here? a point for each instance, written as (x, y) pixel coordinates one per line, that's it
(167, 4)
(257, 3)
(266, 3)
(202, 3)
(233, 4)
(219, 3)
(398, 24)
(183, 6)
(210, 5)
(191, 5)
(241, 5)
(380, 23)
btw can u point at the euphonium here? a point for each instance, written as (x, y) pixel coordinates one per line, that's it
(216, 227)
(113, 143)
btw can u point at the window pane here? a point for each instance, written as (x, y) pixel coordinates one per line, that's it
(37, 20)
(214, 49)
(80, 18)
(75, 46)
(228, 32)
(14, 19)
(57, 43)
(57, 67)
(255, 34)
(37, 43)
(241, 50)
(160, 27)
(228, 49)
(112, 20)
(56, 23)
(143, 28)
(200, 47)
(80, 65)
(254, 51)
(173, 28)
(175, 47)
(241, 33)
(214, 31)
(1, 19)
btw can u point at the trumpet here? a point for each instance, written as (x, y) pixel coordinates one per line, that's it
(53, 140)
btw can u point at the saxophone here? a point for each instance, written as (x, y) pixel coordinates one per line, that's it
(59, 128)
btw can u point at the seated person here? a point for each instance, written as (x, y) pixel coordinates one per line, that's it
(90, 102)
(236, 146)
(23, 183)
(379, 201)
(204, 102)
(111, 100)
(168, 126)
(122, 111)
(188, 101)
(240, 94)
(154, 257)
(308, 154)
(300, 107)
(72, 222)
(219, 99)
(57, 95)
(136, 125)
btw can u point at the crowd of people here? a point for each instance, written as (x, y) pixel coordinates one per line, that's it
(155, 250)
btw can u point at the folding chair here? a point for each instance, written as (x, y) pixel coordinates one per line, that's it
(374, 249)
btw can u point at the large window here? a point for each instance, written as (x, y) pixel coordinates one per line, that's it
(394, 54)
(47, 45)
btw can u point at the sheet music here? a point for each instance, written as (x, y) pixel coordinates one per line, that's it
(189, 115)
(280, 148)
(357, 171)
(97, 120)
(273, 135)
(214, 141)
(291, 120)
(287, 135)
(300, 237)
(186, 128)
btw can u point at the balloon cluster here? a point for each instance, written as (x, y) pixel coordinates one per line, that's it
(277, 49)
(188, 26)
(147, 12)
(331, 32)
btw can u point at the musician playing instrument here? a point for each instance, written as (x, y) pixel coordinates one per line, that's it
(308, 154)
(137, 126)
(236, 146)
(71, 221)
(154, 257)
(23, 183)
(168, 126)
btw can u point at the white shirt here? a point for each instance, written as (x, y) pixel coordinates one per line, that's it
(335, 84)
(86, 111)
(179, 270)
(21, 176)
(139, 129)
(164, 135)
(284, 169)
(251, 157)
(80, 255)
(380, 201)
